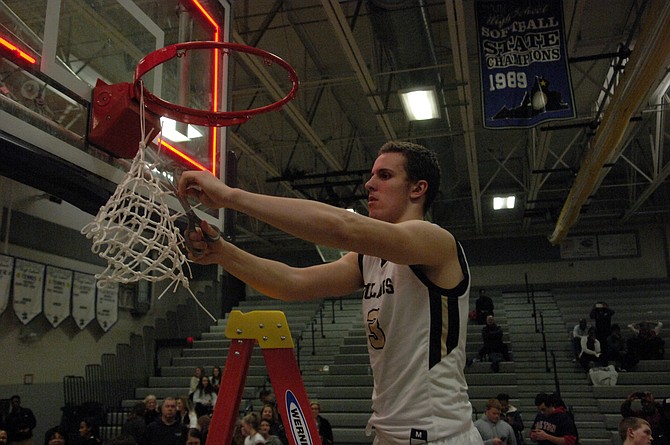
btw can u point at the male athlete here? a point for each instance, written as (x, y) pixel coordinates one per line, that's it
(415, 282)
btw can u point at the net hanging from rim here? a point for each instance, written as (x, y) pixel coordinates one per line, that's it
(135, 230)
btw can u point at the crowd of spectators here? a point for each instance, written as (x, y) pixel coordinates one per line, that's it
(604, 343)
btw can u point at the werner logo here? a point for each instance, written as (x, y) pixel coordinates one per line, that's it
(297, 420)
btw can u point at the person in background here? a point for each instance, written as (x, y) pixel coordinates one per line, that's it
(135, 426)
(323, 425)
(196, 378)
(634, 431)
(662, 431)
(591, 352)
(581, 330)
(20, 423)
(269, 413)
(493, 430)
(88, 433)
(264, 429)
(512, 415)
(493, 345)
(55, 436)
(186, 412)
(250, 426)
(552, 425)
(602, 315)
(204, 397)
(194, 437)
(215, 379)
(167, 429)
(483, 307)
(3, 437)
(151, 412)
(647, 344)
(414, 277)
(648, 409)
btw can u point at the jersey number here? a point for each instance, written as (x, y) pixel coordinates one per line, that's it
(376, 335)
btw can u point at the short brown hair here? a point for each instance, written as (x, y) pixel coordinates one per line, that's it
(420, 163)
(494, 403)
(630, 422)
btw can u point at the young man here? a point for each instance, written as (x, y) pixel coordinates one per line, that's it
(635, 431)
(492, 429)
(512, 415)
(552, 425)
(413, 273)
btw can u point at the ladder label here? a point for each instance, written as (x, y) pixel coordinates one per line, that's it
(297, 420)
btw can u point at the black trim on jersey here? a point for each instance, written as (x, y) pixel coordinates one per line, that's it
(435, 294)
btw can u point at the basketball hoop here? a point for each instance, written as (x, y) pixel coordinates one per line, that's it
(114, 107)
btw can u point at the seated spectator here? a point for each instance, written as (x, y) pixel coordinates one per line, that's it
(215, 379)
(151, 412)
(88, 433)
(493, 430)
(494, 347)
(615, 348)
(250, 426)
(322, 424)
(662, 430)
(483, 307)
(186, 412)
(269, 413)
(194, 437)
(647, 409)
(512, 416)
(647, 345)
(55, 436)
(3, 437)
(602, 315)
(580, 331)
(591, 352)
(135, 426)
(634, 431)
(204, 397)
(203, 426)
(195, 380)
(166, 429)
(270, 439)
(552, 423)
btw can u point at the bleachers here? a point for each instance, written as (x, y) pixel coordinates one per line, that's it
(338, 372)
(631, 304)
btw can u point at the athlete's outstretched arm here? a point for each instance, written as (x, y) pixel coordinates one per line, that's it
(276, 279)
(409, 242)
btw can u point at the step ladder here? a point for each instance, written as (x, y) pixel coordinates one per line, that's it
(268, 329)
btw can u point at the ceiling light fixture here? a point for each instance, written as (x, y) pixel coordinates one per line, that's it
(420, 103)
(503, 202)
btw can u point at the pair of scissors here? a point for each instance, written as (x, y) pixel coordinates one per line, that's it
(193, 223)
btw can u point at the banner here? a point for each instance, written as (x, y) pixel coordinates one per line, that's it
(107, 306)
(57, 294)
(28, 288)
(83, 299)
(6, 271)
(524, 73)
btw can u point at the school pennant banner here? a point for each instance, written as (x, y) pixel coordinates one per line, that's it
(525, 78)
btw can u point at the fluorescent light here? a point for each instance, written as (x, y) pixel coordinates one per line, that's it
(503, 202)
(170, 132)
(420, 104)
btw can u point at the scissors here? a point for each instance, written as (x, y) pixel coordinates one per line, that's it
(193, 223)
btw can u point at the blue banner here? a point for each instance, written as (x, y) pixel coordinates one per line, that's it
(524, 72)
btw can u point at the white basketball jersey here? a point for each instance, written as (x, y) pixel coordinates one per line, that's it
(416, 340)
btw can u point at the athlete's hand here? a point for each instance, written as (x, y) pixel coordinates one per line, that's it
(204, 251)
(203, 186)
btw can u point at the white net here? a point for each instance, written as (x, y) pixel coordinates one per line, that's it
(136, 233)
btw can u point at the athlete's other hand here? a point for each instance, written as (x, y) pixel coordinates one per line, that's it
(203, 186)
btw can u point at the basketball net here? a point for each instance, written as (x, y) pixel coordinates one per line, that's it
(135, 231)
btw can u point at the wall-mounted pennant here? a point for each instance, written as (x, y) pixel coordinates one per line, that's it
(28, 288)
